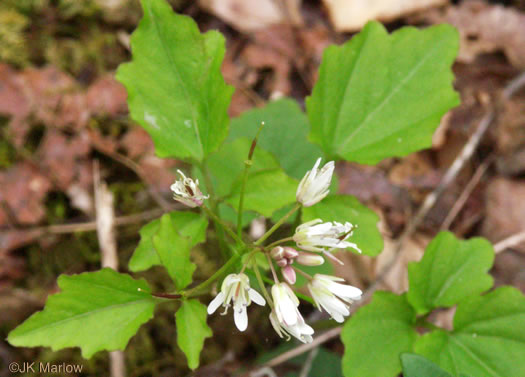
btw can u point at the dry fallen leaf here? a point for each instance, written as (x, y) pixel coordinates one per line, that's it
(251, 15)
(23, 190)
(485, 28)
(352, 15)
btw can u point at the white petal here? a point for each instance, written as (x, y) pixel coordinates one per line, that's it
(348, 292)
(256, 297)
(241, 318)
(215, 303)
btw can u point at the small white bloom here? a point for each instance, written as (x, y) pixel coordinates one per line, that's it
(318, 236)
(300, 330)
(186, 191)
(314, 186)
(333, 297)
(236, 287)
(286, 318)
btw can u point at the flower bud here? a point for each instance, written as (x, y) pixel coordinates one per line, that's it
(289, 274)
(290, 252)
(282, 262)
(277, 253)
(309, 259)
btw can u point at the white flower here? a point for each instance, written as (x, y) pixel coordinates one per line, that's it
(314, 236)
(236, 287)
(300, 330)
(314, 186)
(285, 317)
(333, 297)
(186, 191)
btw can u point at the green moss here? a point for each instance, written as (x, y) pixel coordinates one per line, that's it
(13, 48)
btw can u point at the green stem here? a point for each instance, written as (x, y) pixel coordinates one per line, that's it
(283, 240)
(196, 290)
(219, 228)
(301, 272)
(247, 166)
(277, 225)
(261, 284)
(225, 227)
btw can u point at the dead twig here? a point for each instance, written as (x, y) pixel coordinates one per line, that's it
(105, 221)
(308, 363)
(460, 202)
(509, 242)
(323, 338)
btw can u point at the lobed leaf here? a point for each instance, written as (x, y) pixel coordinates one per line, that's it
(192, 330)
(175, 87)
(376, 335)
(173, 251)
(190, 225)
(382, 95)
(488, 337)
(95, 311)
(450, 271)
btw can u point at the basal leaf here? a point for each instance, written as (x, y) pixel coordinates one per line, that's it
(488, 337)
(382, 95)
(175, 87)
(376, 335)
(450, 271)
(190, 225)
(94, 311)
(266, 192)
(192, 330)
(417, 366)
(344, 208)
(284, 134)
(173, 251)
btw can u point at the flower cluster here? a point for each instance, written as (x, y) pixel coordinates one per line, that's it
(313, 240)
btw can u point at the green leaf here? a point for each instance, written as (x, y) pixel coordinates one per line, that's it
(450, 271)
(488, 337)
(376, 335)
(344, 208)
(227, 165)
(95, 311)
(174, 252)
(192, 330)
(382, 95)
(174, 83)
(188, 224)
(266, 192)
(284, 134)
(417, 366)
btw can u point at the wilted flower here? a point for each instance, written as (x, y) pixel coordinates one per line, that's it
(285, 317)
(236, 287)
(186, 191)
(317, 236)
(333, 297)
(314, 186)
